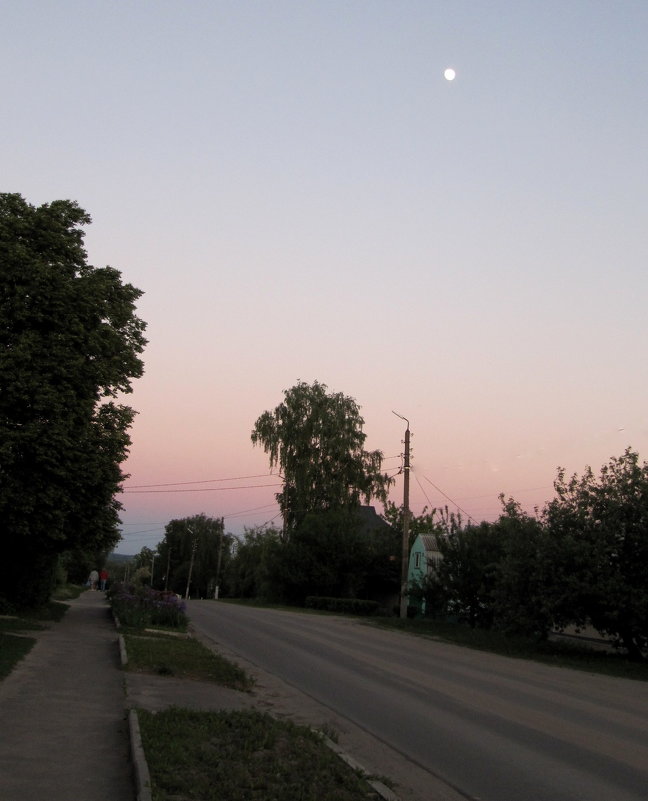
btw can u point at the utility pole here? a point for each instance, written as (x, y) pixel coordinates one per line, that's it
(220, 557)
(194, 545)
(166, 578)
(406, 520)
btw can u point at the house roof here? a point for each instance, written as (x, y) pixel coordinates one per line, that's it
(429, 542)
(370, 520)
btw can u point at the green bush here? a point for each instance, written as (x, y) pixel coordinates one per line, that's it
(351, 606)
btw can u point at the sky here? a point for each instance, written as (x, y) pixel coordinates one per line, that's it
(302, 196)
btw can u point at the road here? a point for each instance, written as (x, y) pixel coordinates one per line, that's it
(492, 728)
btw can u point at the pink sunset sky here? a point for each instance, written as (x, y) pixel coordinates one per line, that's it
(301, 195)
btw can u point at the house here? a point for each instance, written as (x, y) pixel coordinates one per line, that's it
(383, 576)
(424, 558)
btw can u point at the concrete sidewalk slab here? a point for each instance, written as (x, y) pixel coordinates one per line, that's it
(62, 713)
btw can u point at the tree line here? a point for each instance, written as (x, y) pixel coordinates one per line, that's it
(331, 555)
(580, 561)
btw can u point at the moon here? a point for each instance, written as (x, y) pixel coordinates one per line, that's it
(449, 74)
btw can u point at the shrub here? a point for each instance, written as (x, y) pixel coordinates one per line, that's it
(353, 606)
(139, 607)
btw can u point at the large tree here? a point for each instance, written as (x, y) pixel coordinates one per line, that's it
(69, 344)
(316, 440)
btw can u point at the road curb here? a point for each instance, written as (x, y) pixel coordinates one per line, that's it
(138, 757)
(141, 768)
(382, 789)
(140, 765)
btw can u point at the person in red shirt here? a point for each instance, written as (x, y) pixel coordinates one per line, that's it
(103, 578)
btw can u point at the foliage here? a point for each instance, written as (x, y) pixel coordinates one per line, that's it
(428, 522)
(582, 561)
(256, 564)
(242, 756)
(324, 556)
(316, 440)
(140, 606)
(337, 553)
(381, 564)
(526, 580)
(195, 551)
(601, 527)
(352, 606)
(69, 343)
(468, 572)
(118, 569)
(560, 652)
(141, 566)
(75, 565)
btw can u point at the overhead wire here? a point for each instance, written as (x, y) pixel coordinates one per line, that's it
(199, 489)
(203, 481)
(438, 489)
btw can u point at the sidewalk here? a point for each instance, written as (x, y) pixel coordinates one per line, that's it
(62, 713)
(65, 712)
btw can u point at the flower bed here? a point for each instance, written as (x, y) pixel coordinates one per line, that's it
(139, 606)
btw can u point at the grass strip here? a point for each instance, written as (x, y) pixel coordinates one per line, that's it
(12, 650)
(184, 658)
(11, 624)
(242, 756)
(552, 652)
(15, 648)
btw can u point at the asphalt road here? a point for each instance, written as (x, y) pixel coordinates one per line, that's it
(494, 728)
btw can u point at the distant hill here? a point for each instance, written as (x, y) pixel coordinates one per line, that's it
(120, 557)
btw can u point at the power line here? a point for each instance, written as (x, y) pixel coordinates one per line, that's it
(423, 491)
(200, 489)
(143, 531)
(450, 499)
(247, 511)
(204, 481)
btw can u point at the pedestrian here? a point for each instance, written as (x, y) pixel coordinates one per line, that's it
(103, 578)
(93, 578)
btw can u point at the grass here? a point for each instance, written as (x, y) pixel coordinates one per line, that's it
(242, 756)
(559, 653)
(65, 592)
(12, 650)
(182, 657)
(229, 756)
(14, 645)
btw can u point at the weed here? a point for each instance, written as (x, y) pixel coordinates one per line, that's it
(242, 756)
(184, 658)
